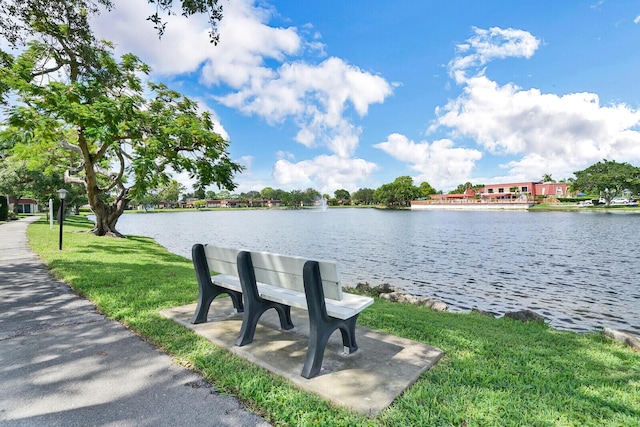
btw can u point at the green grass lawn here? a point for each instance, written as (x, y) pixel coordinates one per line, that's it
(572, 207)
(496, 372)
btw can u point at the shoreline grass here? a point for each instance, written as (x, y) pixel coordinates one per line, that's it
(572, 207)
(495, 372)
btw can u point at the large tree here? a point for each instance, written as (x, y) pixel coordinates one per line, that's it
(72, 92)
(363, 196)
(426, 189)
(14, 179)
(342, 195)
(608, 179)
(400, 192)
(171, 191)
(269, 193)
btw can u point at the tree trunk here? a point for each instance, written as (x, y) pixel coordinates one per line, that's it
(107, 217)
(16, 199)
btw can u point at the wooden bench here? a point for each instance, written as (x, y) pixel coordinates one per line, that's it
(258, 281)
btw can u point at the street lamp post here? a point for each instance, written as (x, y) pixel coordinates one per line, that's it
(62, 194)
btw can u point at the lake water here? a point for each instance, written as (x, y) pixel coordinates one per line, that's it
(581, 270)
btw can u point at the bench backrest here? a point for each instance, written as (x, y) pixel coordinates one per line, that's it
(276, 270)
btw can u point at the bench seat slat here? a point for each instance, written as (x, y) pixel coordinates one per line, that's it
(227, 281)
(349, 306)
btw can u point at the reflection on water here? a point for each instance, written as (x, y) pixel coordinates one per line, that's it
(579, 270)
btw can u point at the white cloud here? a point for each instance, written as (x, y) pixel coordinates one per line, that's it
(316, 97)
(487, 45)
(246, 161)
(324, 173)
(183, 47)
(551, 132)
(439, 163)
(285, 155)
(636, 20)
(246, 42)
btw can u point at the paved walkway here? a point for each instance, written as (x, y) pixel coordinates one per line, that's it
(63, 364)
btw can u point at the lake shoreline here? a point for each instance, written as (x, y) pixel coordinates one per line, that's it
(576, 270)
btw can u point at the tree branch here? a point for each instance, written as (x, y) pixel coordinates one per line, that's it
(72, 179)
(115, 178)
(68, 146)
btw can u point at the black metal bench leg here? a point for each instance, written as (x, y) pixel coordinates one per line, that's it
(319, 335)
(321, 325)
(348, 331)
(315, 352)
(253, 314)
(254, 305)
(207, 291)
(284, 312)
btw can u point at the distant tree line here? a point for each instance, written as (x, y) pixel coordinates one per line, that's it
(398, 193)
(606, 179)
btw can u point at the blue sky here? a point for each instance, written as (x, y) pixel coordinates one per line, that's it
(352, 94)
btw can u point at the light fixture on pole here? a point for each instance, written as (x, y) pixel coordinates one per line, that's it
(62, 194)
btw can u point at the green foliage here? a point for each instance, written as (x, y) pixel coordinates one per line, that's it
(495, 372)
(20, 20)
(425, 189)
(189, 7)
(250, 195)
(608, 179)
(310, 196)
(14, 178)
(148, 200)
(342, 194)
(200, 204)
(269, 193)
(171, 191)
(460, 189)
(363, 196)
(199, 193)
(398, 193)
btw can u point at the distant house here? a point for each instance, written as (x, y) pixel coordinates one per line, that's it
(224, 203)
(230, 203)
(187, 204)
(264, 203)
(510, 193)
(529, 189)
(468, 195)
(23, 205)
